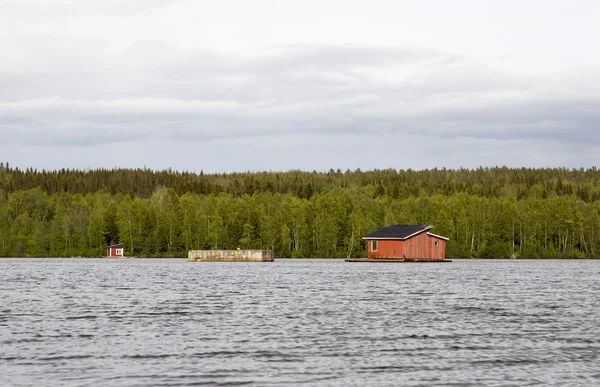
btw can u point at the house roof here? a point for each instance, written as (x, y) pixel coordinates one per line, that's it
(120, 245)
(437, 236)
(398, 231)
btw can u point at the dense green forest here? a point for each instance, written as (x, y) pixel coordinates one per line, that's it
(486, 212)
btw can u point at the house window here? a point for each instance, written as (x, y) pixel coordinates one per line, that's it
(435, 243)
(120, 251)
(373, 245)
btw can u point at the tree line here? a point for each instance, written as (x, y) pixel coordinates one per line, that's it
(486, 212)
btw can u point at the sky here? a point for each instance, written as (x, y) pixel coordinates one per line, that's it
(275, 85)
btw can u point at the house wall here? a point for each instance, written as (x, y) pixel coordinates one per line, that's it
(439, 251)
(423, 246)
(387, 249)
(419, 246)
(112, 252)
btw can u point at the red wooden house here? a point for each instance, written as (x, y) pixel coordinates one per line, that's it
(406, 241)
(115, 251)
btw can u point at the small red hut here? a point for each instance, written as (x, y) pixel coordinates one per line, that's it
(406, 241)
(115, 251)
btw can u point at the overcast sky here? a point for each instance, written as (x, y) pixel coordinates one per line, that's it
(237, 85)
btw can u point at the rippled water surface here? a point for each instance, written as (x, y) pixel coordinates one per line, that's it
(139, 322)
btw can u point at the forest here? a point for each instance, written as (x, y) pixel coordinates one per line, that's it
(495, 212)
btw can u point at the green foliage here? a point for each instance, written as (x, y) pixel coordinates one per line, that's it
(487, 212)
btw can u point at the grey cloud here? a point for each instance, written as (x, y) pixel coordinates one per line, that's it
(155, 91)
(340, 56)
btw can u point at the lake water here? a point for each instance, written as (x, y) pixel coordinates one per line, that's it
(167, 322)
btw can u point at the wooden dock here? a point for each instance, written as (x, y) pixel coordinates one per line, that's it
(396, 260)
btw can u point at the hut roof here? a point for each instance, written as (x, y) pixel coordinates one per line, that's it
(120, 245)
(398, 231)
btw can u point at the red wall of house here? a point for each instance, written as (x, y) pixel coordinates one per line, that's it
(113, 252)
(423, 246)
(387, 249)
(419, 246)
(439, 251)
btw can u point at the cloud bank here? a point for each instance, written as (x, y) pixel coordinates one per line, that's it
(293, 105)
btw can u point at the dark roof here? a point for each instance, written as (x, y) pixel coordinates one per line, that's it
(398, 231)
(116, 246)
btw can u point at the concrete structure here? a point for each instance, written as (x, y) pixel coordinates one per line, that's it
(230, 256)
(406, 242)
(115, 251)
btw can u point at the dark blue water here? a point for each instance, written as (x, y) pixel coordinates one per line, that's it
(140, 322)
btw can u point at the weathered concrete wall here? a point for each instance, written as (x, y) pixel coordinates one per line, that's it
(230, 256)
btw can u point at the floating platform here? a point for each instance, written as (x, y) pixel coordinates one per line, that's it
(230, 256)
(395, 260)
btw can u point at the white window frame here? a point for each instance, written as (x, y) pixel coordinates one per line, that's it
(119, 251)
(374, 245)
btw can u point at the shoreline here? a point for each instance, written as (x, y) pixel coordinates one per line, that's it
(315, 258)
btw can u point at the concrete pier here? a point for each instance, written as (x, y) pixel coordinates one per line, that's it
(230, 256)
